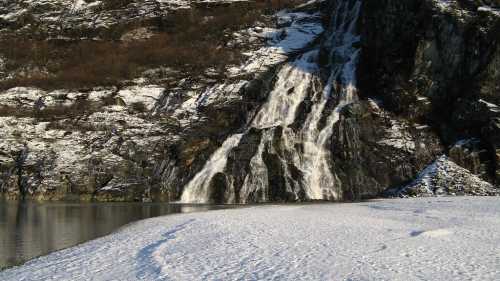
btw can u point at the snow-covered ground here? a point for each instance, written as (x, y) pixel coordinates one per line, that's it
(403, 239)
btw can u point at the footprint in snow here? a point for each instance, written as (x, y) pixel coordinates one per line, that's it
(431, 233)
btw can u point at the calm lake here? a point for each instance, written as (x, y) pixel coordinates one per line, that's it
(31, 229)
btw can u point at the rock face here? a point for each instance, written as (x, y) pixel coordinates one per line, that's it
(88, 18)
(314, 139)
(139, 140)
(437, 62)
(338, 100)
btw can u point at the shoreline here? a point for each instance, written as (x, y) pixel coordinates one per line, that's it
(24, 224)
(310, 241)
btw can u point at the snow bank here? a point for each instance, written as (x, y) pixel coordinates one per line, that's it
(401, 239)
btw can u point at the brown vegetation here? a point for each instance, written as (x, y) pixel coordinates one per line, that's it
(115, 4)
(51, 113)
(93, 63)
(190, 40)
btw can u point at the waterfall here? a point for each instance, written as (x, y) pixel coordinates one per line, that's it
(290, 89)
(256, 181)
(197, 190)
(306, 147)
(319, 181)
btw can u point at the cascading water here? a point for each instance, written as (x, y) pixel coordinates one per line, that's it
(296, 81)
(290, 89)
(319, 181)
(305, 147)
(197, 190)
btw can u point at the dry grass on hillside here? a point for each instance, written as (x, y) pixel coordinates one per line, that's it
(190, 41)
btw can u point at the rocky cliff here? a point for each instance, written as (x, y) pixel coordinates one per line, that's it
(333, 100)
(436, 62)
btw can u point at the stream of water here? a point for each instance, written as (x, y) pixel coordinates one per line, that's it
(304, 152)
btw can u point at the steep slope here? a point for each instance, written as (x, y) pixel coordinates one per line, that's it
(334, 100)
(144, 138)
(313, 139)
(437, 62)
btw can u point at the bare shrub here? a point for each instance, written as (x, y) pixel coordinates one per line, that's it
(190, 40)
(139, 107)
(51, 113)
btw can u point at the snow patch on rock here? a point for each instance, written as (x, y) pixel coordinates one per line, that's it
(444, 177)
(397, 136)
(146, 95)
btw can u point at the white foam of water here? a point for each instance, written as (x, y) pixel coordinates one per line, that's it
(296, 81)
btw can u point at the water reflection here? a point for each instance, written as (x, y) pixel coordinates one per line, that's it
(29, 229)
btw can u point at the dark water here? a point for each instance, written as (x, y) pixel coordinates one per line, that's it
(29, 229)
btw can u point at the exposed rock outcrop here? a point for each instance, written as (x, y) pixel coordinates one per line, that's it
(138, 141)
(314, 139)
(373, 150)
(437, 62)
(335, 100)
